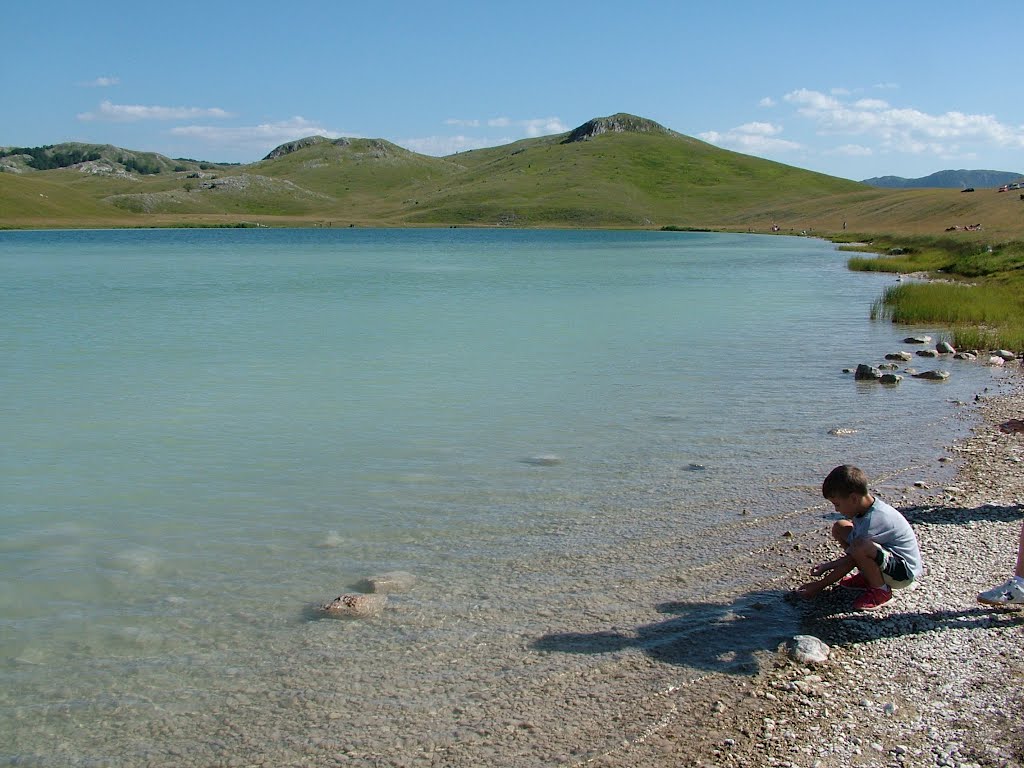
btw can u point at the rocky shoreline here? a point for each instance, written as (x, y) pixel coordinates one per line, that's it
(932, 679)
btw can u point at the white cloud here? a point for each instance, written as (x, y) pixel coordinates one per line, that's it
(127, 113)
(871, 104)
(767, 101)
(756, 138)
(904, 129)
(440, 146)
(262, 136)
(102, 82)
(854, 150)
(531, 127)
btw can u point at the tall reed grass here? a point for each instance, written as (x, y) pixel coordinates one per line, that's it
(987, 313)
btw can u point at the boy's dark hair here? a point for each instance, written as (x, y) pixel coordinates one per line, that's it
(843, 481)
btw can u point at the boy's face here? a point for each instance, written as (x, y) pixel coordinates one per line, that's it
(847, 506)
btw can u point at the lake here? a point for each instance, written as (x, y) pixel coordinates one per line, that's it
(580, 444)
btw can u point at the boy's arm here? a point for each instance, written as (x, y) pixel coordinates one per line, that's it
(833, 571)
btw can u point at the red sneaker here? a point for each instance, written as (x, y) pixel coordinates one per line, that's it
(856, 581)
(872, 599)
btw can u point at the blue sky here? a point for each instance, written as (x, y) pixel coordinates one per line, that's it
(850, 89)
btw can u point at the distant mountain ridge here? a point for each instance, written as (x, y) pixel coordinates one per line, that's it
(960, 179)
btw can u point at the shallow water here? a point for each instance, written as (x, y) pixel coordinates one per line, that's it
(558, 433)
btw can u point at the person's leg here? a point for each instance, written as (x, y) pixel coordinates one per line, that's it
(1019, 571)
(1012, 592)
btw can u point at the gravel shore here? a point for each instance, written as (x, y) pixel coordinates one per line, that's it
(932, 679)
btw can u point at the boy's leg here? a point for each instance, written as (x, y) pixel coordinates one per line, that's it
(865, 555)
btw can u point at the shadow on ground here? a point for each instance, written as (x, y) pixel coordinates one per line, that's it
(719, 637)
(831, 618)
(943, 515)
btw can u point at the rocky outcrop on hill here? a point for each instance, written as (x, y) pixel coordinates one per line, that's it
(618, 123)
(309, 141)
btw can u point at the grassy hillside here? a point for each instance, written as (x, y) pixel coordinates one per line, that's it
(620, 171)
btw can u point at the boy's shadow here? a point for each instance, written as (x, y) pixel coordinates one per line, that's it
(717, 637)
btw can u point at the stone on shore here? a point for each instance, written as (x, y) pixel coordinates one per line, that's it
(807, 649)
(945, 348)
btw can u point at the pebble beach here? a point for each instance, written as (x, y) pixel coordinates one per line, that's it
(932, 679)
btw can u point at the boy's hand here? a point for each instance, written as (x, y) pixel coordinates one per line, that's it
(822, 568)
(808, 590)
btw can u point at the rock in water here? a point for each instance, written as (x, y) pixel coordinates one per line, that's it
(355, 606)
(867, 372)
(807, 649)
(932, 375)
(384, 583)
(543, 460)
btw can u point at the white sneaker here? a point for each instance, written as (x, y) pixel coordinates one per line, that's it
(1010, 593)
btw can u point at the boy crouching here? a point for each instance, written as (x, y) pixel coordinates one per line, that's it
(877, 539)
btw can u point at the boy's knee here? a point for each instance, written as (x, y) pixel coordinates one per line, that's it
(841, 531)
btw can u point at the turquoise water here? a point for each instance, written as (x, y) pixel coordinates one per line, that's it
(204, 432)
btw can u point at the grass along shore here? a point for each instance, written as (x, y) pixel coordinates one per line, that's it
(974, 289)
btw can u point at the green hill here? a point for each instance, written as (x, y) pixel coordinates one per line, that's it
(616, 171)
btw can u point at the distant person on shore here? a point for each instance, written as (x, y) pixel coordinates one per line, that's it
(1012, 592)
(877, 541)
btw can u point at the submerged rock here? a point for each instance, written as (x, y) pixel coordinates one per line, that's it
(932, 375)
(891, 378)
(355, 606)
(842, 431)
(918, 340)
(945, 348)
(386, 583)
(543, 460)
(904, 356)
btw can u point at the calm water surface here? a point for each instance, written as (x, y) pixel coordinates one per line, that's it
(204, 432)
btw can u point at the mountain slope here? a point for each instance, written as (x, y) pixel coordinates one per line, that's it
(622, 171)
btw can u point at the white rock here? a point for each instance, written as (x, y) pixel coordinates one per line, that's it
(807, 649)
